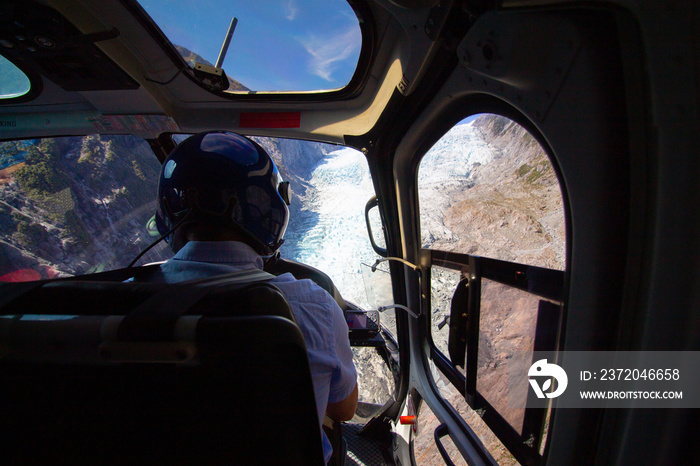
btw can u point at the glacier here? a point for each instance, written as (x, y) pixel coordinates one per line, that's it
(329, 232)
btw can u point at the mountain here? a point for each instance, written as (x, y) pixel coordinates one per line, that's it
(74, 205)
(296, 160)
(494, 193)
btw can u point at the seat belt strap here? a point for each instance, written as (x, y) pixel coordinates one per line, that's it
(155, 318)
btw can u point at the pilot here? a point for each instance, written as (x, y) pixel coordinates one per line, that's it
(222, 206)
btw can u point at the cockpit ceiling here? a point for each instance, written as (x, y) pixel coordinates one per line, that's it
(40, 39)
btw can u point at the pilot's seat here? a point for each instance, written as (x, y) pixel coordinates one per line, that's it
(99, 372)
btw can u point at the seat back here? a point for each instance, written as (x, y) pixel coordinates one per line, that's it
(114, 382)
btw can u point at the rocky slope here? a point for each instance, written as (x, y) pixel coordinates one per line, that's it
(507, 206)
(74, 206)
(81, 204)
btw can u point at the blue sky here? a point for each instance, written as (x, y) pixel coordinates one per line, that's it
(278, 44)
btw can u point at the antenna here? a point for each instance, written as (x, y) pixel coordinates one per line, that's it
(227, 41)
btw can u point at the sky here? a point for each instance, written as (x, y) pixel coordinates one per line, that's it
(282, 45)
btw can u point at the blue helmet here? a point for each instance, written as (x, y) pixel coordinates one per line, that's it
(227, 179)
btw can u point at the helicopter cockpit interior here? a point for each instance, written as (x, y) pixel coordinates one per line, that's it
(479, 184)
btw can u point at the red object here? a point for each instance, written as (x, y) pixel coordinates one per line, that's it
(408, 420)
(24, 275)
(269, 119)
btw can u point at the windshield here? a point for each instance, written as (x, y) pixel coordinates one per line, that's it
(78, 205)
(74, 205)
(282, 45)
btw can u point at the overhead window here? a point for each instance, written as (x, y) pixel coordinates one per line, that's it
(13, 82)
(283, 45)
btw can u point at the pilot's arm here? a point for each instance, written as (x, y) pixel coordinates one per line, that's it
(343, 410)
(342, 399)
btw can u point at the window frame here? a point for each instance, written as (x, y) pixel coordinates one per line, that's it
(538, 281)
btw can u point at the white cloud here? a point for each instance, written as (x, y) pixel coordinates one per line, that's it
(290, 10)
(326, 53)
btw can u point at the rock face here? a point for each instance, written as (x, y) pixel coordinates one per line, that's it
(296, 161)
(508, 205)
(75, 205)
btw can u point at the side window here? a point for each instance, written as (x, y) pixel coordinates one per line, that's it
(492, 223)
